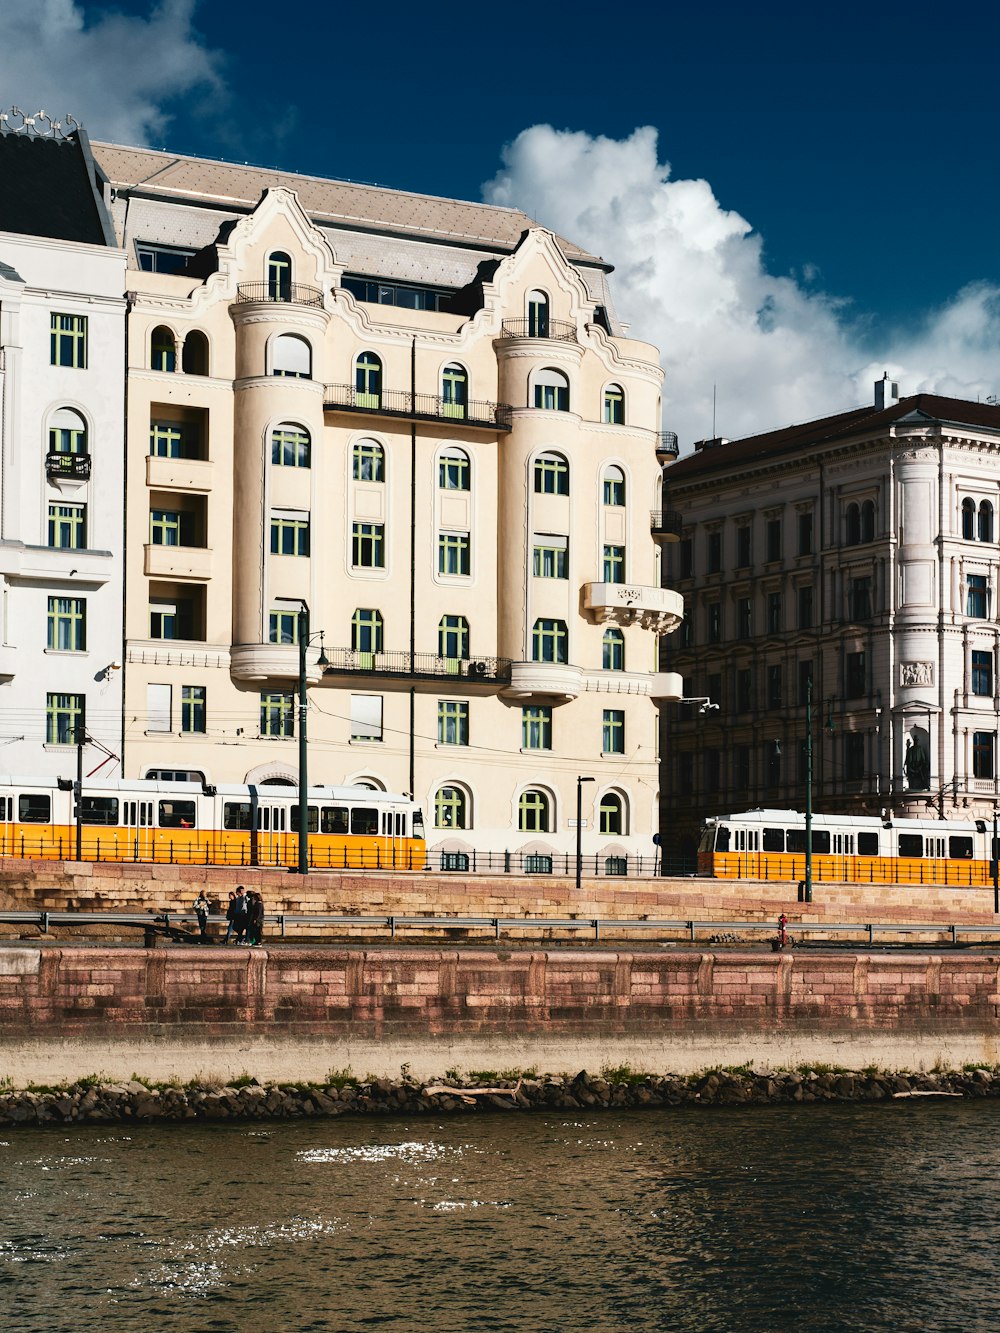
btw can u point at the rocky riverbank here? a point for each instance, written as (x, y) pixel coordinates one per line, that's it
(91, 1102)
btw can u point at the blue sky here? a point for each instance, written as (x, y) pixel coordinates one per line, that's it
(794, 198)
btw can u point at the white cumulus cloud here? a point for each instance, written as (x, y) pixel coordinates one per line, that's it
(115, 73)
(690, 277)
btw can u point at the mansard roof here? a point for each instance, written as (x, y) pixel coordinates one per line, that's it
(855, 424)
(49, 184)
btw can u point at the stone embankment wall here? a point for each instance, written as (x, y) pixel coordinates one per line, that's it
(298, 1013)
(110, 887)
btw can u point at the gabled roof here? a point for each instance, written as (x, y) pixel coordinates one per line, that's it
(49, 187)
(230, 185)
(859, 422)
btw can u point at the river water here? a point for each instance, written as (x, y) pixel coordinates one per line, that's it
(738, 1220)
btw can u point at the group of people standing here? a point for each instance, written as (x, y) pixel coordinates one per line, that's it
(245, 915)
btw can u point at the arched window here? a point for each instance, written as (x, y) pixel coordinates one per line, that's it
(614, 405)
(614, 486)
(538, 315)
(163, 350)
(551, 475)
(985, 521)
(969, 520)
(450, 808)
(279, 276)
(454, 392)
(194, 356)
(368, 381)
(292, 357)
(366, 630)
(290, 446)
(552, 390)
(453, 470)
(368, 461)
(549, 641)
(853, 525)
(612, 814)
(67, 432)
(533, 811)
(613, 650)
(868, 521)
(453, 638)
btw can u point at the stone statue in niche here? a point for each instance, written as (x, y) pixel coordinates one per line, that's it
(917, 762)
(916, 673)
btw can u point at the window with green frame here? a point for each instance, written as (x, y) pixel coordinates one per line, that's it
(552, 391)
(454, 553)
(65, 718)
(614, 485)
(453, 637)
(290, 446)
(613, 564)
(366, 630)
(614, 405)
(167, 527)
(533, 812)
(536, 727)
(450, 808)
(454, 391)
(279, 277)
(67, 625)
(453, 722)
(67, 433)
(549, 641)
(368, 461)
(550, 556)
(277, 714)
(193, 709)
(611, 815)
(289, 536)
(613, 650)
(68, 526)
(283, 625)
(613, 731)
(454, 470)
(368, 545)
(169, 619)
(163, 350)
(168, 439)
(368, 381)
(551, 473)
(68, 341)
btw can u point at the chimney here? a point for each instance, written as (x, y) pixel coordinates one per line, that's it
(886, 393)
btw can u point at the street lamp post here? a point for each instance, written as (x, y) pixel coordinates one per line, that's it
(81, 739)
(579, 826)
(995, 864)
(304, 639)
(809, 792)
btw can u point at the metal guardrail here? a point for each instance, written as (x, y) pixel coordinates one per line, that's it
(555, 330)
(350, 660)
(288, 293)
(424, 406)
(58, 464)
(667, 523)
(686, 929)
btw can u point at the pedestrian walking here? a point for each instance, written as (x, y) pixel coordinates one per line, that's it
(255, 919)
(229, 917)
(201, 910)
(239, 917)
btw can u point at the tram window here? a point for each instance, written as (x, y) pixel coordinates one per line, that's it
(99, 810)
(821, 840)
(6, 809)
(960, 848)
(34, 809)
(774, 840)
(236, 815)
(177, 814)
(868, 844)
(911, 844)
(387, 823)
(722, 836)
(336, 819)
(400, 824)
(797, 840)
(418, 823)
(364, 820)
(313, 819)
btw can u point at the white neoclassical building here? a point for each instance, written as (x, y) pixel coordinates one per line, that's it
(417, 421)
(62, 387)
(859, 553)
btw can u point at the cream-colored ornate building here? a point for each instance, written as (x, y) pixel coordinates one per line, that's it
(858, 552)
(418, 420)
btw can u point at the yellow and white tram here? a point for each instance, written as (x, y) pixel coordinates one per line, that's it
(771, 844)
(188, 824)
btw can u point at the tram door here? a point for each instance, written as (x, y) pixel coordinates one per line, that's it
(272, 825)
(138, 821)
(393, 824)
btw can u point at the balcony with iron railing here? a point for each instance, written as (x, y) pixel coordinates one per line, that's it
(477, 670)
(416, 407)
(668, 446)
(555, 330)
(74, 466)
(293, 293)
(666, 524)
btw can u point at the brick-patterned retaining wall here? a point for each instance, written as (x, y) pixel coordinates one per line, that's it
(306, 1011)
